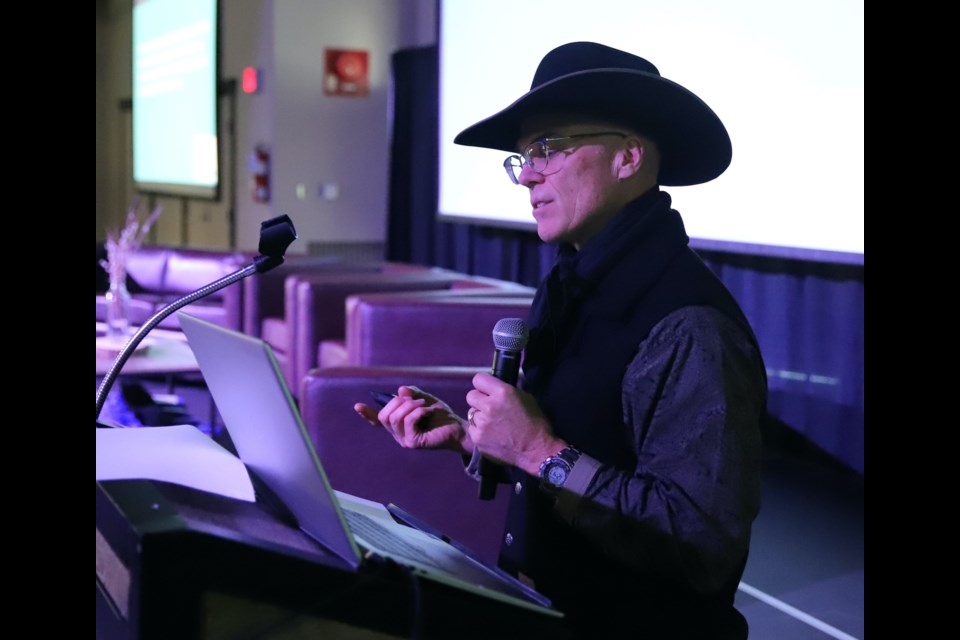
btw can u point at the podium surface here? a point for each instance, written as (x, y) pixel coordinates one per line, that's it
(174, 562)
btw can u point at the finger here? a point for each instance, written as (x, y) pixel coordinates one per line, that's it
(407, 392)
(421, 417)
(410, 391)
(431, 438)
(485, 382)
(398, 411)
(392, 405)
(416, 392)
(415, 424)
(476, 399)
(367, 413)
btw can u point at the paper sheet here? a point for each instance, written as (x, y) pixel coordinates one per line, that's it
(179, 454)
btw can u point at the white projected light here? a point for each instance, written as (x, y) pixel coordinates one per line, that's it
(175, 148)
(787, 81)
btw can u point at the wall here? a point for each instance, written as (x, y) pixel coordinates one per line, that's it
(314, 139)
(114, 26)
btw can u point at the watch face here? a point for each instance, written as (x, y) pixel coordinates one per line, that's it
(556, 475)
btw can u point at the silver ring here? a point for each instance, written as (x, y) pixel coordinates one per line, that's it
(470, 415)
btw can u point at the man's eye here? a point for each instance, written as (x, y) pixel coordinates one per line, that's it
(537, 151)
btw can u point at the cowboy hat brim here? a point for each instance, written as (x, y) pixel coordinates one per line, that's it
(694, 144)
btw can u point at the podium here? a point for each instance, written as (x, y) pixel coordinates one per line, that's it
(173, 562)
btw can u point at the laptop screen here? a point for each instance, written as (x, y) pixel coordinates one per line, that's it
(264, 424)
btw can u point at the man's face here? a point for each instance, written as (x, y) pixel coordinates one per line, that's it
(576, 195)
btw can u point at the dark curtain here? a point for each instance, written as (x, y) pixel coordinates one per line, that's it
(413, 155)
(808, 315)
(413, 232)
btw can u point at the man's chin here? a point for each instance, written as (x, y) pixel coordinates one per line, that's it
(546, 234)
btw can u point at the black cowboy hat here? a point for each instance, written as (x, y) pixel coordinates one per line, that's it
(593, 79)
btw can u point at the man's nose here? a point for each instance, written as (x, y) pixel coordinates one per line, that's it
(528, 177)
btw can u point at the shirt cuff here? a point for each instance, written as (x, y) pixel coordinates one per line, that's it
(581, 475)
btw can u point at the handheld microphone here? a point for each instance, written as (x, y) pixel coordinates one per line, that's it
(509, 339)
(276, 235)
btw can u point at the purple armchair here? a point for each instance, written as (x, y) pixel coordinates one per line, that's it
(314, 310)
(160, 275)
(364, 460)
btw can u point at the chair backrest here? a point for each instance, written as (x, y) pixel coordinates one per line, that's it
(159, 275)
(263, 294)
(318, 307)
(428, 328)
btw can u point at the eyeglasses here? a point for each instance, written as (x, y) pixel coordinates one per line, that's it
(538, 153)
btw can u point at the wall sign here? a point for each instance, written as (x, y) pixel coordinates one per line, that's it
(345, 72)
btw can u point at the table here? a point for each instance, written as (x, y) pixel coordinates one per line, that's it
(162, 352)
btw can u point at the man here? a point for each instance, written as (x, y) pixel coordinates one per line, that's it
(632, 448)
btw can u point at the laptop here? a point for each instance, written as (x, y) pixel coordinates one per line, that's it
(265, 426)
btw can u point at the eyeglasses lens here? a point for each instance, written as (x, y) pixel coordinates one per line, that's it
(536, 156)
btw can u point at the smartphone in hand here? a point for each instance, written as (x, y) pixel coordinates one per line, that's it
(382, 398)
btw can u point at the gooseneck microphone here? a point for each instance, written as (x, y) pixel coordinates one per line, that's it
(276, 235)
(509, 339)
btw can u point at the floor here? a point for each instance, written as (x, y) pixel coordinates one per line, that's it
(804, 577)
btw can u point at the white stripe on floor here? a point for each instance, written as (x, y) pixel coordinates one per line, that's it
(794, 612)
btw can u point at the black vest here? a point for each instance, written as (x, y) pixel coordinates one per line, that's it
(587, 321)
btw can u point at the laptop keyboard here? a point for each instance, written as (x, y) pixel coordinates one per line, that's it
(371, 530)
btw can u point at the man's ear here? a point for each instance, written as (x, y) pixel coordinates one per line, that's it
(631, 158)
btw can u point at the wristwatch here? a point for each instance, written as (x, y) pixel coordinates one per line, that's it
(555, 470)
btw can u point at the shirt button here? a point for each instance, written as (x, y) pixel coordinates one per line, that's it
(517, 488)
(509, 539)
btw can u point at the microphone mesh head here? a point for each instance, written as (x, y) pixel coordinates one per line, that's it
(510, 334)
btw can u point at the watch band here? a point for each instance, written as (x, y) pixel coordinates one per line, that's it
(570, 454)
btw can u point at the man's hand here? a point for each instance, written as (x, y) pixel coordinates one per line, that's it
(508, 426)
(419, 420)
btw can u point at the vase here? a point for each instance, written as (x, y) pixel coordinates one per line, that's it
(118, 309)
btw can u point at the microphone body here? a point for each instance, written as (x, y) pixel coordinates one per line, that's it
(509, 339)
(506, 366)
